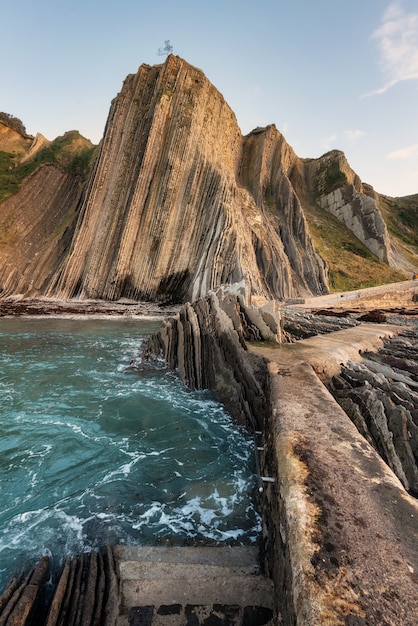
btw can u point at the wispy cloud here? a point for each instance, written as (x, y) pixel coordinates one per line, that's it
(404, 153)
(397, 41)
(347, 136)
(329, 142)
(353, 135)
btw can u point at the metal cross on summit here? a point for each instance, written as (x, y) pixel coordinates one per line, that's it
(168, 48)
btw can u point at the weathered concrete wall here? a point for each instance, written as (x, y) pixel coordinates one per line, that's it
(345, 529)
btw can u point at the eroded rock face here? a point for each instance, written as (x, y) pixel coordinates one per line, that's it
(12, 140)
(380, 395)
(267, 162)
(36, 225)
(340, 191)
(179, 203)
(205, 343)
(172, 210)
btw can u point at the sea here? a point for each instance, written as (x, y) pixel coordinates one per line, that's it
(98, 448)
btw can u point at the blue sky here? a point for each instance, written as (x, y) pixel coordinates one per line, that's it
(328, 73)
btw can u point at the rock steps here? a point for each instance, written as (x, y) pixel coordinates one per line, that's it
(129, 586)
(191, 586)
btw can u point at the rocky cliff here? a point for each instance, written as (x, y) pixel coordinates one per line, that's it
(380, 395)
(35, 230)
(178, 202)
(173, 211)
(339, 530)
(206, 343)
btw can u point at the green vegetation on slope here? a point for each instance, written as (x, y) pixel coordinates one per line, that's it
(329, 175)
(13, 122)
(351, 264)
(71, 153)
(401, 217)
(9, 181)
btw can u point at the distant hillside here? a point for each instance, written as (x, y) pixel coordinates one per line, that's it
(22, 154)
(175, 201)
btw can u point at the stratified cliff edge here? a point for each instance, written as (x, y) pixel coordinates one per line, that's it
(171, 211)
(35, 230)
(178, 202)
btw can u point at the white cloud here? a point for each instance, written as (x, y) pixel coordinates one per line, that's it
(404, 153)
(341, 139)
(397, 41)
(353, 135)
(329, 142)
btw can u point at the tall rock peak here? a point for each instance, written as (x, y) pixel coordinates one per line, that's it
(177, 202)
(172, 210)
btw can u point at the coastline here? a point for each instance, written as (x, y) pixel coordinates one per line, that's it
(82, 309)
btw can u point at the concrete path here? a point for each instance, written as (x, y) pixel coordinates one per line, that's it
(175, 586)
(326, 353)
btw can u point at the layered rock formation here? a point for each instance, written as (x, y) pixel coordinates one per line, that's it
(36, 229)
(380, 395)
(178, 203)
(171, 210)
(338, 527)
(87, 593)
(339, 190)
(205, 343)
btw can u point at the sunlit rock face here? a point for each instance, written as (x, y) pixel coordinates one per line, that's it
(35, 230)
(340, 191)
(180, 203)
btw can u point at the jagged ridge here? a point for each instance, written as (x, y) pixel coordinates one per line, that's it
(178, 203)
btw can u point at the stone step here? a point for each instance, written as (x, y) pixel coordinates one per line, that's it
(178, 586)
(197, 615)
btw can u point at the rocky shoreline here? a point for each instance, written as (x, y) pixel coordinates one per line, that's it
(61, 308)
(339, 516)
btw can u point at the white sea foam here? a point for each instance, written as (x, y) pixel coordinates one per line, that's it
(99, 453)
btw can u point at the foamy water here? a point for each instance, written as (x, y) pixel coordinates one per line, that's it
(93, 451)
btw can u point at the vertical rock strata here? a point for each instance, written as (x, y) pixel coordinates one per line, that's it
(205, 342)
(340, 191)
(266, 167)
(36, 225)
(172, 210)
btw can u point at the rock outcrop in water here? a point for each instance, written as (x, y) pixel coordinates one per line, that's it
(338, 526)
(87, 593)
(206, 343)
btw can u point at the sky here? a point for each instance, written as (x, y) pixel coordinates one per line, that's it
(330, 74)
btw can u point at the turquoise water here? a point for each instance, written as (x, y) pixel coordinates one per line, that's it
(95, 449)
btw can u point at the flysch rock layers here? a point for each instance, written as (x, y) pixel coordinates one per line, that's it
(355, 204)
(179, 202)
(206, 343)
(35, 230)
